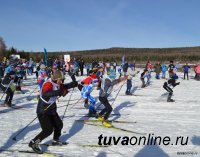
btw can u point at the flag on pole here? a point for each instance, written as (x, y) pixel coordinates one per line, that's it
(45, 57)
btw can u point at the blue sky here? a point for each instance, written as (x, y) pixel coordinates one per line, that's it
(65, 25)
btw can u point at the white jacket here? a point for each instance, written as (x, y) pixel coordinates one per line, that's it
(131, 73)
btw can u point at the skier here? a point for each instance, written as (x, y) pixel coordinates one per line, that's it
(130, 74)
(186, 68)
(125, 68)
(171, 68)
(171, 82)
(8, 87)
(86, 86)
(163, 69)
(108, 81)
(197, 72)
(158, 70)
(142, 77)
(47, 110)
(149, 67)
(42, 75)
(18, 78)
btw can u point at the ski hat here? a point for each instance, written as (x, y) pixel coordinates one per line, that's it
(56, 75)
(111, 74)
(42, 66)
(174, 76)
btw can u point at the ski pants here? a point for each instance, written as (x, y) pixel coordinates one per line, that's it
(143, 82)
(186, 74)
(167, 88)
(49, 124)
(108, 108)
(129, 85)
(157, 75)
(9, 94)
(163, 74)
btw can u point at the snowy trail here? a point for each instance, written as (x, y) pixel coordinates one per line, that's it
(149, 109)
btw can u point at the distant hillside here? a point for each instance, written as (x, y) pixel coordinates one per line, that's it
(181, 54)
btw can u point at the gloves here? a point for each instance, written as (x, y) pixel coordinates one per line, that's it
(63, 90)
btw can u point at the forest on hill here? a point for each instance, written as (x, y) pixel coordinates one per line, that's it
(140, 55)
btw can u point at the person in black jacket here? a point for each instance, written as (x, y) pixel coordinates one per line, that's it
(171, 82)
(47, 110)
(6, 85)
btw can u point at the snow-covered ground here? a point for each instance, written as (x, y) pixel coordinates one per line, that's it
(149, 109)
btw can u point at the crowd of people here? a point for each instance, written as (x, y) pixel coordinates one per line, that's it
(51, 83)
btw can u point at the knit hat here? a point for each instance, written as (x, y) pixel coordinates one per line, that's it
(57, 74)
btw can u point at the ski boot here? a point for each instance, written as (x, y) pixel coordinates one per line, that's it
(35, 147)
(100, 118)
(92, 111)
(170, 100)
(106, 124)
(58, 143)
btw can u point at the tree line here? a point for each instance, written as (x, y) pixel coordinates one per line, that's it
(140, 55)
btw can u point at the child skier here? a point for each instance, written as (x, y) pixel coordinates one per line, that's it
(86, 88)
(171, 82)
(108, 81)
(47, 110)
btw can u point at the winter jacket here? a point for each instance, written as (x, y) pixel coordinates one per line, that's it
(131, 73)
(164, 68)
(172, 82)
(143, 75)
(48, 95)
(171, 67)
(41, 76)
(157, 68)
(7, 81)
(186, 68)
(107, 86)
(197, 69)
(125, 67)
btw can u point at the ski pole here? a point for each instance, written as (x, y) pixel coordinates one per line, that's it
(14, 138)
(31, 93)
(67, 106)
(6, 89)
(118, 93)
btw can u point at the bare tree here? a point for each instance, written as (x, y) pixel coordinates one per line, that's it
(2, 45)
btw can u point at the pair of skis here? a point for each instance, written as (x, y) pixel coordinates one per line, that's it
(92, 123)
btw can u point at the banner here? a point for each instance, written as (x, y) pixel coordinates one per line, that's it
(67, 60)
